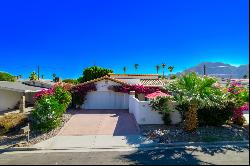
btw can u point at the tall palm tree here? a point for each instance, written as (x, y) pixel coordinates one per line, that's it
(163, 66)
(124, 69)
(136, 66)
(170, 68)
(54, 76)
(157, 68)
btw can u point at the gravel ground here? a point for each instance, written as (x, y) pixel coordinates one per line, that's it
(170, 134)
(19, 140)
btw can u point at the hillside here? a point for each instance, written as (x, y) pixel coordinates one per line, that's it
(220, 69)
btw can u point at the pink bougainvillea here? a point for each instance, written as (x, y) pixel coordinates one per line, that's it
(137, 88)
(43, 92)
(80, 91)
(238, 113)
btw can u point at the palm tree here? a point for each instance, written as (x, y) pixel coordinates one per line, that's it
(124, 69)
(42, 76)
(136, 66)
(163, 66)
(33, 76)
(157, 68)
(170, 68)
(54, 76)
(194, 92)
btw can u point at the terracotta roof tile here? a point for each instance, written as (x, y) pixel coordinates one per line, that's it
(105, 78)
(151, 82)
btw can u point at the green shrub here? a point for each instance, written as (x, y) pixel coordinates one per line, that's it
(216, 115)
(7, 77)
(71, 81)
(47, 113)
(12, 122)
(161, 104)
(62, 96)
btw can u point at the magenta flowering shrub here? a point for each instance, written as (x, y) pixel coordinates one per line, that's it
(137, 88)
(235, 87)
(43, 92)
(241, 95)
(80, 91)
(238, 117)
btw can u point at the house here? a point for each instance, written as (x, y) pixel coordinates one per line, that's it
(104, 98)
(19, 94)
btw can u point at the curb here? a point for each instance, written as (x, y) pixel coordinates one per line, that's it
(188, 145)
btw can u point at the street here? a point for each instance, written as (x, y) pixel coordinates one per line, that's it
(216, 155)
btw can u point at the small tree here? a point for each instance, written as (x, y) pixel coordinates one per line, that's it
(94, 72)
(7, 77)
(245, 76)
(33, 76)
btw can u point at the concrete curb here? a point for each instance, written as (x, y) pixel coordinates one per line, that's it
(179, 145)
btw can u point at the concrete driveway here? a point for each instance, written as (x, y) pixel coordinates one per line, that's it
(100, 122)
(93, 129)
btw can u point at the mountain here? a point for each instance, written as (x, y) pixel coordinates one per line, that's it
(220, 69)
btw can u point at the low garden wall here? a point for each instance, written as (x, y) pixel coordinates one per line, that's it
(144, 114)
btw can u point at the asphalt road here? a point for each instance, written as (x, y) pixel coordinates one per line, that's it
(228, 156)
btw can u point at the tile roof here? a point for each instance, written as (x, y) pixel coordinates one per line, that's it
(18, 86)
(112, 74)
(105, 78)
(151, 82)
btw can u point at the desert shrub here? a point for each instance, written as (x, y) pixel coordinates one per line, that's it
(12, 122)
(47, 113)
(161, 104)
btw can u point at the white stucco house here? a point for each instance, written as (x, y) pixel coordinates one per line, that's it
(14, 95)
(104, 98)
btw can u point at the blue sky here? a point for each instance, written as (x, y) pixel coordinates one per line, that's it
(64, 37)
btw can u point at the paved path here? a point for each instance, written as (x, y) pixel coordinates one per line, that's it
(217, 156)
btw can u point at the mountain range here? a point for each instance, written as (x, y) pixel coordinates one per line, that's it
(219, 69)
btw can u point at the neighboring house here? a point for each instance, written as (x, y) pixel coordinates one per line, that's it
(12, 93)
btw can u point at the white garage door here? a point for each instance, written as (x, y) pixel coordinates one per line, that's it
(106, 100)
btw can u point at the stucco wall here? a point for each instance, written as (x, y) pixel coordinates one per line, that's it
(145, 115)
(9, 99)
(104, 98)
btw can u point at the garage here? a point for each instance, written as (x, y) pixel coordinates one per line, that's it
(103, 98)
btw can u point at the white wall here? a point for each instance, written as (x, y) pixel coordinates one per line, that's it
(104, 98)
(145, 115)
(9, 99)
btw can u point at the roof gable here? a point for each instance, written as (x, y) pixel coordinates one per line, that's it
(105, 78)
